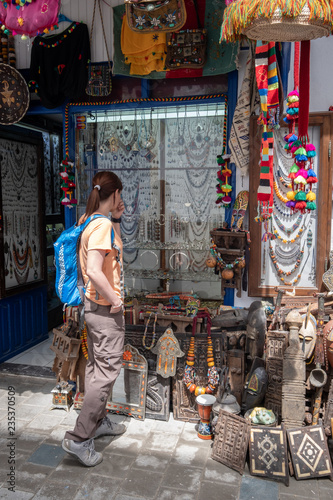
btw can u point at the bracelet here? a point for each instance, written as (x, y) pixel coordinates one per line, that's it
(117, 221)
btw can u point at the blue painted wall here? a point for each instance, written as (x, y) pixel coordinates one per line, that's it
(23, 322)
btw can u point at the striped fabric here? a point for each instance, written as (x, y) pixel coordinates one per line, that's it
(268, 86)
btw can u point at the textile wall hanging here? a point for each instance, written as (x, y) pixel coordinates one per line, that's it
(279, 21)
(14, 94)
(268, 453)
(29, 18)
(143, 52)
(221, 57)
(155, 16)
(309, 452)
(239, 140)
(187, 48)
(268, 86)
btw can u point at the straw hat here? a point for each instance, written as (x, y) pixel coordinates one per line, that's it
(277, 20)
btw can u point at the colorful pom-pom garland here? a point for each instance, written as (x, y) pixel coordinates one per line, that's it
(223, 188)
(301, 198)
(67, 183)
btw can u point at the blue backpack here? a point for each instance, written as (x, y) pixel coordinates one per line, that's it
(69, 283)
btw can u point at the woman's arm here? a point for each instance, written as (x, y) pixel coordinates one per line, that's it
(95, 260)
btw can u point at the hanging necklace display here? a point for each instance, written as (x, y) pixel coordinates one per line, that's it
(154, 332)
(190, 372)
(103, 144)
(181, 134)
(143, 136)
(167, 351)
(200, 264)
(179, 262)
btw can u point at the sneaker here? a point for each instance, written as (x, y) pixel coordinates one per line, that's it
(84, 451)
(108, 428)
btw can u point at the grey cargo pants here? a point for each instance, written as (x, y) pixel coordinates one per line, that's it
(105, 338)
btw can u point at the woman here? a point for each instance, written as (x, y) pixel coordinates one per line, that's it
(104, 317)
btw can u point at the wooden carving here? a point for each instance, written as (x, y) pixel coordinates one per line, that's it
(276, 344)
(309, 452)
(236, 365)
(329, 412)
(231, 440)
(268, 453)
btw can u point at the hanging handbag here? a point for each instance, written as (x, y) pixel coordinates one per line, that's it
(155, 16)
(99, 75)
(187, 48)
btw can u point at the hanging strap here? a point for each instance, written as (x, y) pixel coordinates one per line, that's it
(296, 66)
(304, 92)
(197, 12)
(92, 29)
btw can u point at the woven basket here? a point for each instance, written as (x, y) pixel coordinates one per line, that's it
(14, 95)
(287, 29)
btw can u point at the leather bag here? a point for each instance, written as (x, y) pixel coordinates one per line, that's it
(152, 16)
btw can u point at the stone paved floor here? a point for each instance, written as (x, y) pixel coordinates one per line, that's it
(152, 460)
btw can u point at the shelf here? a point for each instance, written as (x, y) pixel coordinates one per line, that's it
(165, 275)
(149, 245)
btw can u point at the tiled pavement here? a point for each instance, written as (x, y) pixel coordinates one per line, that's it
(152, 460)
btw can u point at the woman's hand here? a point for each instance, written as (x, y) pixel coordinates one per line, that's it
(119, 210)
(117, 308)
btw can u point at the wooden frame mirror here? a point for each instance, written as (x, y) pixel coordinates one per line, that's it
(322, 128)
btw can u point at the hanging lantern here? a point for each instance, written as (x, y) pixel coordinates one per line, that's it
(277, 20)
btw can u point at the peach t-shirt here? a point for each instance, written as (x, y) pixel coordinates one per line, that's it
(97, 236)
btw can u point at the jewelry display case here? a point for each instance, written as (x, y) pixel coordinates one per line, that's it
(165, 156)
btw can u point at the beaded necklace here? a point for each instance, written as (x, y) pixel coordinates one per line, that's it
(287, 256)
(278, 193)
(190, 373)
(282, 212)
(84, 344)
(282, 273)
(219, 260)
(154, 332)
(288, 231)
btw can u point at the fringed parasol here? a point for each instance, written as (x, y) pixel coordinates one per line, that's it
(277, 20)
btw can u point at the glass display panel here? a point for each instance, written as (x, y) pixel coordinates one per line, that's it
(166, 159)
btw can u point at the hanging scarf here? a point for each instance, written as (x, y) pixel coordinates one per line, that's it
(268, 86)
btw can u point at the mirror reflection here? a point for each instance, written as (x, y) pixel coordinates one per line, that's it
(127, 387)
